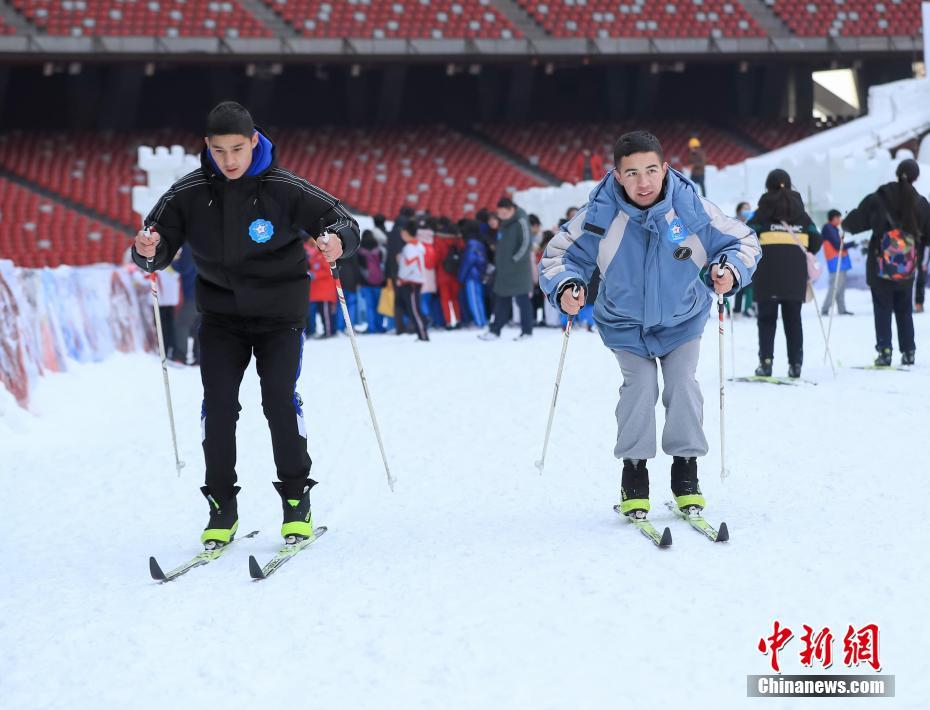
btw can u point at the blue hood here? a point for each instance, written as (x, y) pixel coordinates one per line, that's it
(262, 157)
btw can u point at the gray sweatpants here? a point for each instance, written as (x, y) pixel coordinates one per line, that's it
(683, 434)
(837, 283)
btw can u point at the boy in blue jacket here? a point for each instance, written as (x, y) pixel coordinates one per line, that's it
(651, 233)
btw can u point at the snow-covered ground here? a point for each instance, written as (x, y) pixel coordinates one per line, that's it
(479, 583)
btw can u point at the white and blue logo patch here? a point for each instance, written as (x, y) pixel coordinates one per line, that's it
(261, 230)
(676, 231)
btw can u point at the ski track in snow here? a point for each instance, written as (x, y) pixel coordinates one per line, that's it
(480, 582)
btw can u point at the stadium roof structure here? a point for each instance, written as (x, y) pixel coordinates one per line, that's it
(352, 50)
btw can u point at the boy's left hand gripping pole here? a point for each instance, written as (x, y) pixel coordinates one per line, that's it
(178, 463)
(358, 362)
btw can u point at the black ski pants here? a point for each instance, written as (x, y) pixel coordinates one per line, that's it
(767, 317)
(407, 304)
(888, 298)
(503, 310)
(226, 348)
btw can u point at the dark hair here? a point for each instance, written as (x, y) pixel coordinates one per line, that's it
(379, 220)
(780, 196)
(505, 202)
(777, 179)
(470, 228)
(410, 227)
(907, 172)
(368, 239)
(833, 213)
(637, 142)
(407, 212)
(534, 220)
(230, 118)
(740, 204)
(482, 215)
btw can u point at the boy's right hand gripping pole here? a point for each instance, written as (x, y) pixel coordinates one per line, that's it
(540, 464)
(358, 362)
(720, 307)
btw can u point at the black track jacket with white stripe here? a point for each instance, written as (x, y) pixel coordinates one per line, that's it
(247, 238)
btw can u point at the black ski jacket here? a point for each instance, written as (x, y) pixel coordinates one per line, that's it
(873, 214)
(247, 238)
(782, 273)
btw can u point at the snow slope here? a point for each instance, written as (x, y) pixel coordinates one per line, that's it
(479, 583)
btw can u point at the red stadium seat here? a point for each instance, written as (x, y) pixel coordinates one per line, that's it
(849, 18)
(160, 18)
(36, 231)
(643, 18)
(385, 19)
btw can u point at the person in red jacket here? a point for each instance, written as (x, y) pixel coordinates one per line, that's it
(589, 166)
(322, 292)
(448, 248)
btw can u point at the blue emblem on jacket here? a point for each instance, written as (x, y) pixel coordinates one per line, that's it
(676, 231)
(261, 230)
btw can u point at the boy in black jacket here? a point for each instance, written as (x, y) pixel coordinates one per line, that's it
(241, 217)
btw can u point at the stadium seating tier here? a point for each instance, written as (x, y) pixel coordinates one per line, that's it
(383, 19)
(147, 18)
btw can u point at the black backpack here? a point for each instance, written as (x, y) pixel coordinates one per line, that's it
(452, 261)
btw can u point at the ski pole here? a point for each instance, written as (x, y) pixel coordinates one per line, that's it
(558, 378)
(723, 469)
(358, 362)
(836, 287)
(826, 343)
(732, 339)
(178, 463)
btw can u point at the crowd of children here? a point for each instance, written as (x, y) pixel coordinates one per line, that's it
(424, 273)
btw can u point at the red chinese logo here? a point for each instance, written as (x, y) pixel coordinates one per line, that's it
(818, 647)
(859, 646)
(862, 646)
(776, 642)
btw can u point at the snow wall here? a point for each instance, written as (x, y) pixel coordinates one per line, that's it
(83, 313)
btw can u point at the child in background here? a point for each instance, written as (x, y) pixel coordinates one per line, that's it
(411, 268)
(371, 263)
(552, 316)
(448, 251)
(429, 302)
(169, 296)
(472, 270)
(350, 276)
(322, 292)
(837, 263)
(742, 302)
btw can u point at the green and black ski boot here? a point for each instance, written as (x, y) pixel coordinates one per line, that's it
(685, 485)
(298, 520)
(224, 519)
(634, 487)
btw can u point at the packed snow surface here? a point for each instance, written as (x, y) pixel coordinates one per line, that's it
(479, 583)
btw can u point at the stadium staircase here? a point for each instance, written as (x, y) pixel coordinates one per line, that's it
(520, 19)
(762, 13)
(11, 22)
